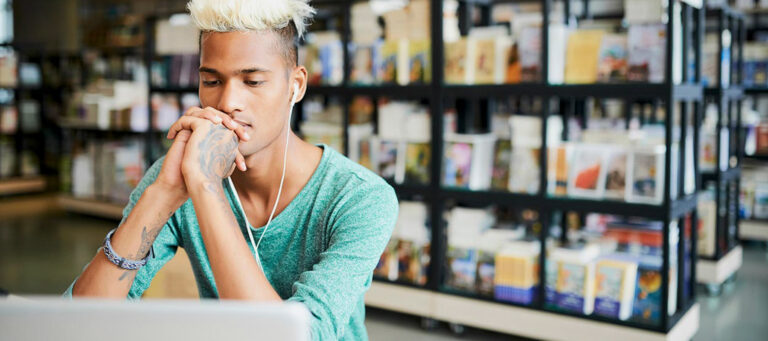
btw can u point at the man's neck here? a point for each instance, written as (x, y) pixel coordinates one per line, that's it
(260, 183)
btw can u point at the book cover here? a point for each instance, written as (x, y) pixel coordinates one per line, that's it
(587, 176)
(458, 163)
(463, 269)
(484, 61)
(514, 68)
(456, 61)
(615, 284)
(647, 301)
(575, 287)
(420, 68)
(582, 56)
(646, 175)
(501, 165)
(524, 170)
(612, 64)
(362, 66)
(417, 161)
(387, 159)
(616, 174)
(389, 67)
(530, 54)
(647, 47)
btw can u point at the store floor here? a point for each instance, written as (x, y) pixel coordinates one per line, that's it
(41, 252)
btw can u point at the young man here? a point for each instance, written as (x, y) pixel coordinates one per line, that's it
(333, 217)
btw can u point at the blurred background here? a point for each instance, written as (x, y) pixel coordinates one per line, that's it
(598, 164)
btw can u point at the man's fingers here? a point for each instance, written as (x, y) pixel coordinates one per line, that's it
(240, 161)
(219, 117)
(185, 122)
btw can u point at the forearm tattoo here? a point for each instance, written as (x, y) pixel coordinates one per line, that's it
(147, 239)
(217, 153)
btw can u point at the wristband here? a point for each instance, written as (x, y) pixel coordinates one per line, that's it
(121, 262)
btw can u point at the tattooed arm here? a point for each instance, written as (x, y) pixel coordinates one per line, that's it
(209, 159)
(138, 231)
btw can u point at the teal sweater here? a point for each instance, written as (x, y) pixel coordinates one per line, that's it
(320, 250)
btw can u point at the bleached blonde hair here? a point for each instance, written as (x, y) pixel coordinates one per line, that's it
(250, 15)
(287, 18)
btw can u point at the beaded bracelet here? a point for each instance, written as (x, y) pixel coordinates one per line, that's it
(121, 262)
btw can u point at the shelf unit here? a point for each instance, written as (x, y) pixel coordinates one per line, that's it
(433, 300)
(755, 229)
(22, 185)
(715, 269)
(91, 207)
(18, 183)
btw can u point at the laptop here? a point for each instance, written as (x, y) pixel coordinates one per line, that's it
(40, 318)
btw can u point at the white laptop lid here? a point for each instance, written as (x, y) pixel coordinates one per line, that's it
(115, 320)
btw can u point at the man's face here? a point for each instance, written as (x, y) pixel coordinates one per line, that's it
(244, 75)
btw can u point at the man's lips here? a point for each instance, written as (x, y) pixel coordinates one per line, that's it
(242, 123)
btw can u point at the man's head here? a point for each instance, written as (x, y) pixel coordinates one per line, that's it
(248, 62)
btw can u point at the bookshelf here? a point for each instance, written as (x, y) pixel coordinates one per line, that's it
(451, 305)
(92, 207)
(753, 225)
(12, 186)
(720, 253)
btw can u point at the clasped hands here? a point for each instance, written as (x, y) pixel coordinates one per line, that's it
(204, 151)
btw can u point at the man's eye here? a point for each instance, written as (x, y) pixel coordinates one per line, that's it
(254, 83)
(210, 83)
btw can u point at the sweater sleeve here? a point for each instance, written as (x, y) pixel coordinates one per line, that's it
(360, 228)
(165, 244)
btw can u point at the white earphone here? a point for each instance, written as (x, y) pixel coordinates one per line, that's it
(282, 180)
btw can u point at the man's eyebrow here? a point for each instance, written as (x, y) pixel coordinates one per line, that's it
(249, 70)
(253, 70)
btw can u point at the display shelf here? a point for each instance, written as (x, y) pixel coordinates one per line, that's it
(756, 90)
(679, 206)
(714, 272)
(517, 320)
(92, 207)
(726, 176)
(410, 189)
(408, 91)
(22, 185)
(734, 92)
(96, 129)
(754, 229)
(174, 89)
(683, 92)
(757, 157)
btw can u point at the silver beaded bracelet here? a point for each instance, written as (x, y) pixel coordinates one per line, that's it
(121, 262)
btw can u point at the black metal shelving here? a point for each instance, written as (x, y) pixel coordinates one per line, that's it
(689, 93)
(726, 96)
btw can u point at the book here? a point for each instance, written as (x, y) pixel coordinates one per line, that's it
(530, 54)
(417, 161)
(7, 157)
(524, 170)
(706, 231)
(615, 284)
(559, 170)
(587, 177)
(644, 11)
(362, 72)
(516, 276)
(612, 63)
(8, 69)
(575, 288)
(647, 48)
(388, 157)
(457, 59)
(646, 174)
(582, 56)
(502, 156)
(391, 68)
(419, 65)
(514, 69)
(30, 116)
(9, 119)
(468, 161)
(616, 174)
